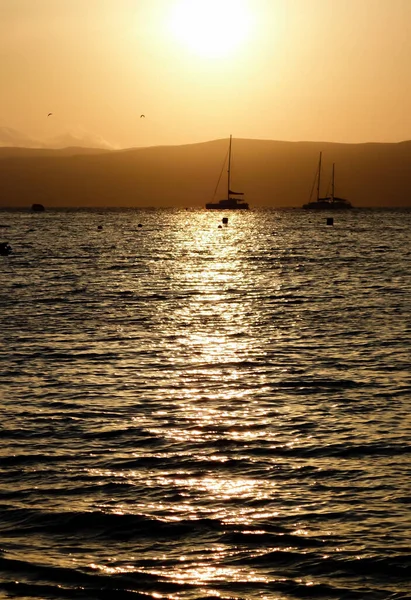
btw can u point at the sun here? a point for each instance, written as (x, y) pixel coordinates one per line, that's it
(211, 28)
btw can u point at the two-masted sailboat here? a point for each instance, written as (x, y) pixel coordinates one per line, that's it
(231, 202)
(328, 202)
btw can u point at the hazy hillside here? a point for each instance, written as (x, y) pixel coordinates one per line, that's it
(271, 173)
(18, 151)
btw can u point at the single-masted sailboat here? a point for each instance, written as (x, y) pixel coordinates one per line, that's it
(231, 202)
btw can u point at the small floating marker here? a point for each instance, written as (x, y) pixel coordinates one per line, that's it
(225, 220)
(139, 225)
(330, 221)
(220, 227)
(5, 249)
(100, 227)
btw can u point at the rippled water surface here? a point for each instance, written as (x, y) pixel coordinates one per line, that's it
(192, 411)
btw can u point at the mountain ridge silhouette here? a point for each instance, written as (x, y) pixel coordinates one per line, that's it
(271, 173)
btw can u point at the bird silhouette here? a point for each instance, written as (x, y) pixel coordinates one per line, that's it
(144, 116)
(49, 115)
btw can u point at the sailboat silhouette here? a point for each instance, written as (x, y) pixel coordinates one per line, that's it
(328, 202)
(229, 203)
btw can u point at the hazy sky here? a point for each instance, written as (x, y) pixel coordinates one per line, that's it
(324, 70)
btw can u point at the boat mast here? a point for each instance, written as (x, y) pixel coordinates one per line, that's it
(319, 178)
(229, 170)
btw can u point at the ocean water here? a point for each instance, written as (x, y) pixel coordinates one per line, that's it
(191, 411)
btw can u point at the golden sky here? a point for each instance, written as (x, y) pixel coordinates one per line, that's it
(320, 70)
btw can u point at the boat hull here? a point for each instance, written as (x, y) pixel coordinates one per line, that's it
(218, 206)
(37, 208)
(328, 205)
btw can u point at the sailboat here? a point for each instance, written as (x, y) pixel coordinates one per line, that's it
(229, 203)
(328, 202)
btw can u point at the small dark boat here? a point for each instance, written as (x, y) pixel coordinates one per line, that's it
(228, 203)
(328, 202)
(37, 208)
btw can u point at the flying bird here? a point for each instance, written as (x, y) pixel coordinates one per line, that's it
(49, 115)
(144, 116)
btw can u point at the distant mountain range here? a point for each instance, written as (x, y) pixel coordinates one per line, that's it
(78, 137)
(270, 173)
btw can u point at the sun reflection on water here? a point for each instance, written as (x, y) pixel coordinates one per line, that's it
(198, 413)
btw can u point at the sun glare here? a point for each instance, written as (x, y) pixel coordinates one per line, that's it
(211, 28)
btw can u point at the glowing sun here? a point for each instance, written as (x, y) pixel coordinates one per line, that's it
(211, 28)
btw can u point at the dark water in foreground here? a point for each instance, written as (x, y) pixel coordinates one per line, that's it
(192, 412)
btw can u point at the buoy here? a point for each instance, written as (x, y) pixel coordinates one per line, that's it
(100, 227)
(139, 225)
(219, 227)
(5, 249)
(330, 221)
(225, 220)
